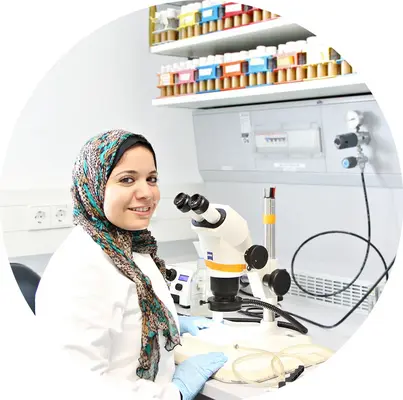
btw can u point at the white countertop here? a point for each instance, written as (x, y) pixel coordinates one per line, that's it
(331, 338)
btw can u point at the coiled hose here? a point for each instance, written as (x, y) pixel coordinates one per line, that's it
(279, 371)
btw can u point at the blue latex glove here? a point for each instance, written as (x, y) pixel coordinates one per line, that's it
(192, 325)
(191, 375)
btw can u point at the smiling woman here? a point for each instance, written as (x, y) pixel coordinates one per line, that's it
(103, 296)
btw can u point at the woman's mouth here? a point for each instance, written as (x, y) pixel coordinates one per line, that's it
(143, 211)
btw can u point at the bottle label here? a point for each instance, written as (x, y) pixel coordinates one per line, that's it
(285, 61)
(233, 8)
(257, 61)
(183, 78)
(205, 71)
(165, 79)
(207, 13)
(189, 19)
(229, 69)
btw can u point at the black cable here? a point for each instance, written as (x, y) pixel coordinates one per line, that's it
(286, 325)
(353, 309)
(259, 314)
(231, 319)
(234, 319)
(298, 326)
(369, 245)
(248, 313)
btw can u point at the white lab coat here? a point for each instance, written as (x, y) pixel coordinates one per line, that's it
(92, 310)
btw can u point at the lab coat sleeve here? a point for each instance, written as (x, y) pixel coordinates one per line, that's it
(80, 309)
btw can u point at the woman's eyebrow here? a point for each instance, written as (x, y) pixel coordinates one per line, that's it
(132, 171)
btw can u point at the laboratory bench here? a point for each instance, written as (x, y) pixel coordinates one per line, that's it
(324, 313)
(321, 312)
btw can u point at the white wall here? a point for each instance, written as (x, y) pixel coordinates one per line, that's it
(107, 81)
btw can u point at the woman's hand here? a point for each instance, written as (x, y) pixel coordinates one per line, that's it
(192, 325)
(192, 374)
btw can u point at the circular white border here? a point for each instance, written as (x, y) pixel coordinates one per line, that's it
(35, 34)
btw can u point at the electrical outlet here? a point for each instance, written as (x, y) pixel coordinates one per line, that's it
(38, 217)
(61, 216)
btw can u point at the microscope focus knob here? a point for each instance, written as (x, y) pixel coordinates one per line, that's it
(171, 274)
(256, 256)
(279, 281)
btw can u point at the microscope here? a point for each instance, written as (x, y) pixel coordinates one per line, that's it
(229, 254)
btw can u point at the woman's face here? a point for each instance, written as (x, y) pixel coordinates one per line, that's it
(132, 193)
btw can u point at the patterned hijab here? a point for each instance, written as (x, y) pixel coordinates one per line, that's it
(90, 175)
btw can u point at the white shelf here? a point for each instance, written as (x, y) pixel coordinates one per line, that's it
(247, 37)
(339, 86)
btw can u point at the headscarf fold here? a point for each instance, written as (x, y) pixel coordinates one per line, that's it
(90, 175)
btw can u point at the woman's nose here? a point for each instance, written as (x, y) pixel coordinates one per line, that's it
(143, 191)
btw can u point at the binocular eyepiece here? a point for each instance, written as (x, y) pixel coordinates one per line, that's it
(198, 205)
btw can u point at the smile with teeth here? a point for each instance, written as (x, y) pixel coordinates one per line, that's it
(140, 209)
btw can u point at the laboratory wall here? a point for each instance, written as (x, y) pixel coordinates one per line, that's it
(105, 82)
(291, 146)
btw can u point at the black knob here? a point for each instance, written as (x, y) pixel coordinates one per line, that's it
(256, 256)
(178, 287)
(346, 141)
(349, 162)
(171, 274)
(244, 281)
(279, 281)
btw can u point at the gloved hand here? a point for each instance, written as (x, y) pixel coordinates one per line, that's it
(191, 375)
(192, 325)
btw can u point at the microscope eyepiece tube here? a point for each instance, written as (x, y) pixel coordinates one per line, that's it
(182, 203)
(201, 206)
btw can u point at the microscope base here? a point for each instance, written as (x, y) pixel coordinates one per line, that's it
(269, 333)
(279, 338)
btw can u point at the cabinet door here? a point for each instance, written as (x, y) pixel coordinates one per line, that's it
(219, 142)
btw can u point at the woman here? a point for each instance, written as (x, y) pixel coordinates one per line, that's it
(103, 294)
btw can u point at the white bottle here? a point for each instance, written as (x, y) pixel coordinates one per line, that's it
(200, 290)
(313, 50)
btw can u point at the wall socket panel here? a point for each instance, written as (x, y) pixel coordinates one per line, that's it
(61, 216)
(38, 217)
(49, 217)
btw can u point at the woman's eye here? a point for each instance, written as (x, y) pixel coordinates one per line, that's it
(127, 180)
(153, 180)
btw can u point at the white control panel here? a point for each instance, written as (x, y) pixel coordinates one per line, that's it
(301, 142)
(181, 286)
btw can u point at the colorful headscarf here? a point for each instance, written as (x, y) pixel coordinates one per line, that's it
(90, 174)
